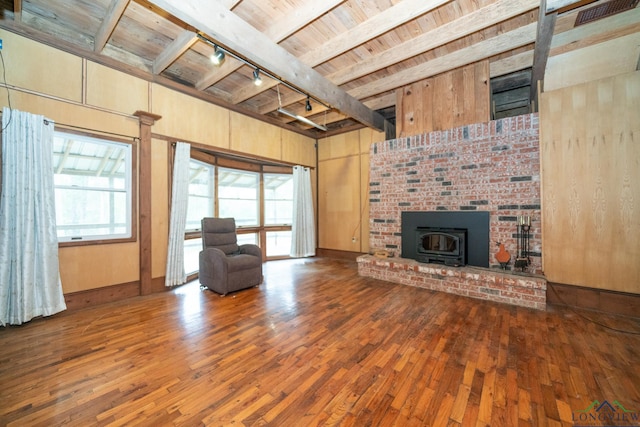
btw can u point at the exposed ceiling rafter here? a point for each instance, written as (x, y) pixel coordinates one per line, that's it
(235, 34)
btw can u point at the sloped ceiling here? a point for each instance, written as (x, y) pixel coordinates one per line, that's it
(348, 57)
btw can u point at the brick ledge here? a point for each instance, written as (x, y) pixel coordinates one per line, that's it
(520, 289)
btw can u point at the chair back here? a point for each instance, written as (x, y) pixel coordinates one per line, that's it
(220, 233)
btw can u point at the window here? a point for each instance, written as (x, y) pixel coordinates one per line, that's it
(238, 196)
(258, 197)
(201, 194)
(278, 199)
(278, 243)
(192, 248)
(93, 188)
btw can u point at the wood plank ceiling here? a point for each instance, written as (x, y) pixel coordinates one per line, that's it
(348, 57)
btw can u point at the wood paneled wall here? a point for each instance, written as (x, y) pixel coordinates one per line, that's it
(77, 92)
(590, 156)
(445, 101)
(343, 190)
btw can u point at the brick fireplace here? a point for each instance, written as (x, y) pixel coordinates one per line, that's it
(491, 167)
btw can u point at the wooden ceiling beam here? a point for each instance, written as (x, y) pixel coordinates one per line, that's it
(176, 48)
(277, 32)
(229, 30)
(618, 25)
(382, 101)
(439, 36)
(381, 23)
(17, 10)
(111, 19)
(563, 5)
(511, 64)
(468, 24)
(474, 53)
(546, 25)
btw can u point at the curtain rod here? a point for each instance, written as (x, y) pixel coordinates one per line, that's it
(47, 121)
(135, 138)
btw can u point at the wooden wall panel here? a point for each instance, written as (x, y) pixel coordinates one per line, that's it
(590, 161)
(97, 266)
(298, 149)
(607, 59)
(41, 68)
(115, 90)
(339, 203)
(363, 236)
(343, 186)
(159, 206)
(255, 137)
(445, 101)
(345, 144)
(188, 118)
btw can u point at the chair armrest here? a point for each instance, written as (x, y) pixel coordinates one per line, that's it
(212, 259)
(251, 249)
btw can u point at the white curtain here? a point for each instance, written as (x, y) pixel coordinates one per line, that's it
(303, 234)
(30, 283)
(178, 217)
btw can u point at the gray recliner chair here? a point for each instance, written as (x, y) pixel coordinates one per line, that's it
(226, 266)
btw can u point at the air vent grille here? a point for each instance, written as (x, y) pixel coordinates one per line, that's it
(603, 10)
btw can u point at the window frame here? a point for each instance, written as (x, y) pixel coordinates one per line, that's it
(222, 160)
(133, 190)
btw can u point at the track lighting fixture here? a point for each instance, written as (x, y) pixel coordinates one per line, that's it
(257, 80)
(301, 119)
(218, 55)
(218, 58)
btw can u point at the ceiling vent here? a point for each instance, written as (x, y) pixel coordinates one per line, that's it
(604, 10)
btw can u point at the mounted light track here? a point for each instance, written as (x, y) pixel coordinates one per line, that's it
(257, 80)
(301, 119)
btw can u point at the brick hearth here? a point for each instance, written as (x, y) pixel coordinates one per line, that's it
(475, 282)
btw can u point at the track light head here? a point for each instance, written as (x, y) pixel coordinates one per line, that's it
(257, 80)
(218, 56)
(308, 105)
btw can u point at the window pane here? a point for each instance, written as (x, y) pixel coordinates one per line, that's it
(278, 199)
(238, 196)
(278, 243)
(251, 238)
(201, 194)
(192, 248)
(92, 179)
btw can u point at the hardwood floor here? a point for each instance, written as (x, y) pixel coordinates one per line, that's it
(316, 344)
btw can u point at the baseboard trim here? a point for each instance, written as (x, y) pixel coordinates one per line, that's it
(92, 297)
(604, 300)
(332, 253)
